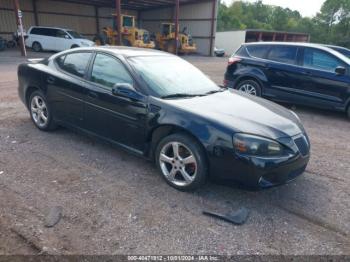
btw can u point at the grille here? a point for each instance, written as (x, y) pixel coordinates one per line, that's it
(302, 145)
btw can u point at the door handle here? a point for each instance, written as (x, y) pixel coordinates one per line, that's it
(50, 80)
(92, 94)
(307, 73)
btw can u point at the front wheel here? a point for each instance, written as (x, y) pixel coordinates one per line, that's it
(182, 162)
(37, 47)
(40, 112)
(250, 87)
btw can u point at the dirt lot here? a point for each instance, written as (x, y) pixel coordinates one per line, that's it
(115, 203)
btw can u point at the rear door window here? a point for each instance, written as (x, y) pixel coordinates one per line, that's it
(37, 31)
(258, 51)
(321, 60)
(283, 54)
(51, 32)
(75, 63)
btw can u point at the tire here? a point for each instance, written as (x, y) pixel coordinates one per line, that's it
(11, 44)
(170, 46)
(74, 46)
(126, 42)
(185, 171)
(37, 47)
(251, 87)
(40, 112)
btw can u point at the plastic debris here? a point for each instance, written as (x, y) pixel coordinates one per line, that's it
(238, 217)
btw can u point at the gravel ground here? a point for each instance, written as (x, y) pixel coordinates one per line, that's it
(115, 203)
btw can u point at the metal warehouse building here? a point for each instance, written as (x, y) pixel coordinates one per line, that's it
(89, 16)
(232, 40)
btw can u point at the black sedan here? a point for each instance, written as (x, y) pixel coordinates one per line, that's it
(161, 107)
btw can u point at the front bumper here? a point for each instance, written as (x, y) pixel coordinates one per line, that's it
(257, 172)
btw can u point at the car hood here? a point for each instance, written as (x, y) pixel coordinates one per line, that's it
(85, 41)
(243, 113)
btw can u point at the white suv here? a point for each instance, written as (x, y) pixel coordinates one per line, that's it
(55, 39)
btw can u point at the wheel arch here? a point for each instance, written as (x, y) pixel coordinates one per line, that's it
(36, 41)
(162, 131)
(29, 92)
(250, 77)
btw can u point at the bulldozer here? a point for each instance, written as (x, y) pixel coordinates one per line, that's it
(131, 35)
(165, 40)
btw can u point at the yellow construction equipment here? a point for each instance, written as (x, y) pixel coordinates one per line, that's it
(131, 35)
(165, 40)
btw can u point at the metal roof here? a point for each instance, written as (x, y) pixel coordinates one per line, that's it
(133, 4)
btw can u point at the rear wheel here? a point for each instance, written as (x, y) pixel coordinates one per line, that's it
(250, 87)
(182, 162)
(37, 47)
(40, 112)
(126, 42)
(170, 46)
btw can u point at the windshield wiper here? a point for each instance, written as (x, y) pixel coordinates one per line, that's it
(179, 95)
(222, 89)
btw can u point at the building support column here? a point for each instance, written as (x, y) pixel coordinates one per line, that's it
(212, 29)
(20, 28)
(35, 10)
(118, 18)
(97, 20)
(177, 10)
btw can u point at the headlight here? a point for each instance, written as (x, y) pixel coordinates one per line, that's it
(245, 144)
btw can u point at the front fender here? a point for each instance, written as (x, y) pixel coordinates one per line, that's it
(207, 132)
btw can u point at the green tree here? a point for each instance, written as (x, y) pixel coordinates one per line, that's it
(331, 25)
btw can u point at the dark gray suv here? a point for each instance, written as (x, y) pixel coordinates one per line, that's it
(298, 73)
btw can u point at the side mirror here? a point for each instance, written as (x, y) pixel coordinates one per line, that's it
(340, 70)
(66, 37)
(126, 90)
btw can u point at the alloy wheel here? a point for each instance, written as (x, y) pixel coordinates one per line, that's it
(249, 89)
(39, 111)
(178, 164)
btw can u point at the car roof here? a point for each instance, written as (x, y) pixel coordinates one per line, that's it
(50, 27)
(121, 50)
(299, 44)
(337, 47)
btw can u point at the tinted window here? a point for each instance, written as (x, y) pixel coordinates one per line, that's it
(318, 59)
(108, 71)
(61, 34)
(284, 54)
(241, 51)
(75, 63)
(258, 50)
(36, 31)
(43, 31)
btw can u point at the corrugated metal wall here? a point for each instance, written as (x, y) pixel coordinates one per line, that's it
(196, 17)
(59, 14)
(7, 16)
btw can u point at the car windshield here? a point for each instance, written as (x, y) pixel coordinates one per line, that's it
(172, 76)
(76, 35)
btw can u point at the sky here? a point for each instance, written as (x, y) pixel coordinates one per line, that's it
(305, 7)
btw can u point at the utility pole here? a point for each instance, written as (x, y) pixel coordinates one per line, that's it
(19, 15)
